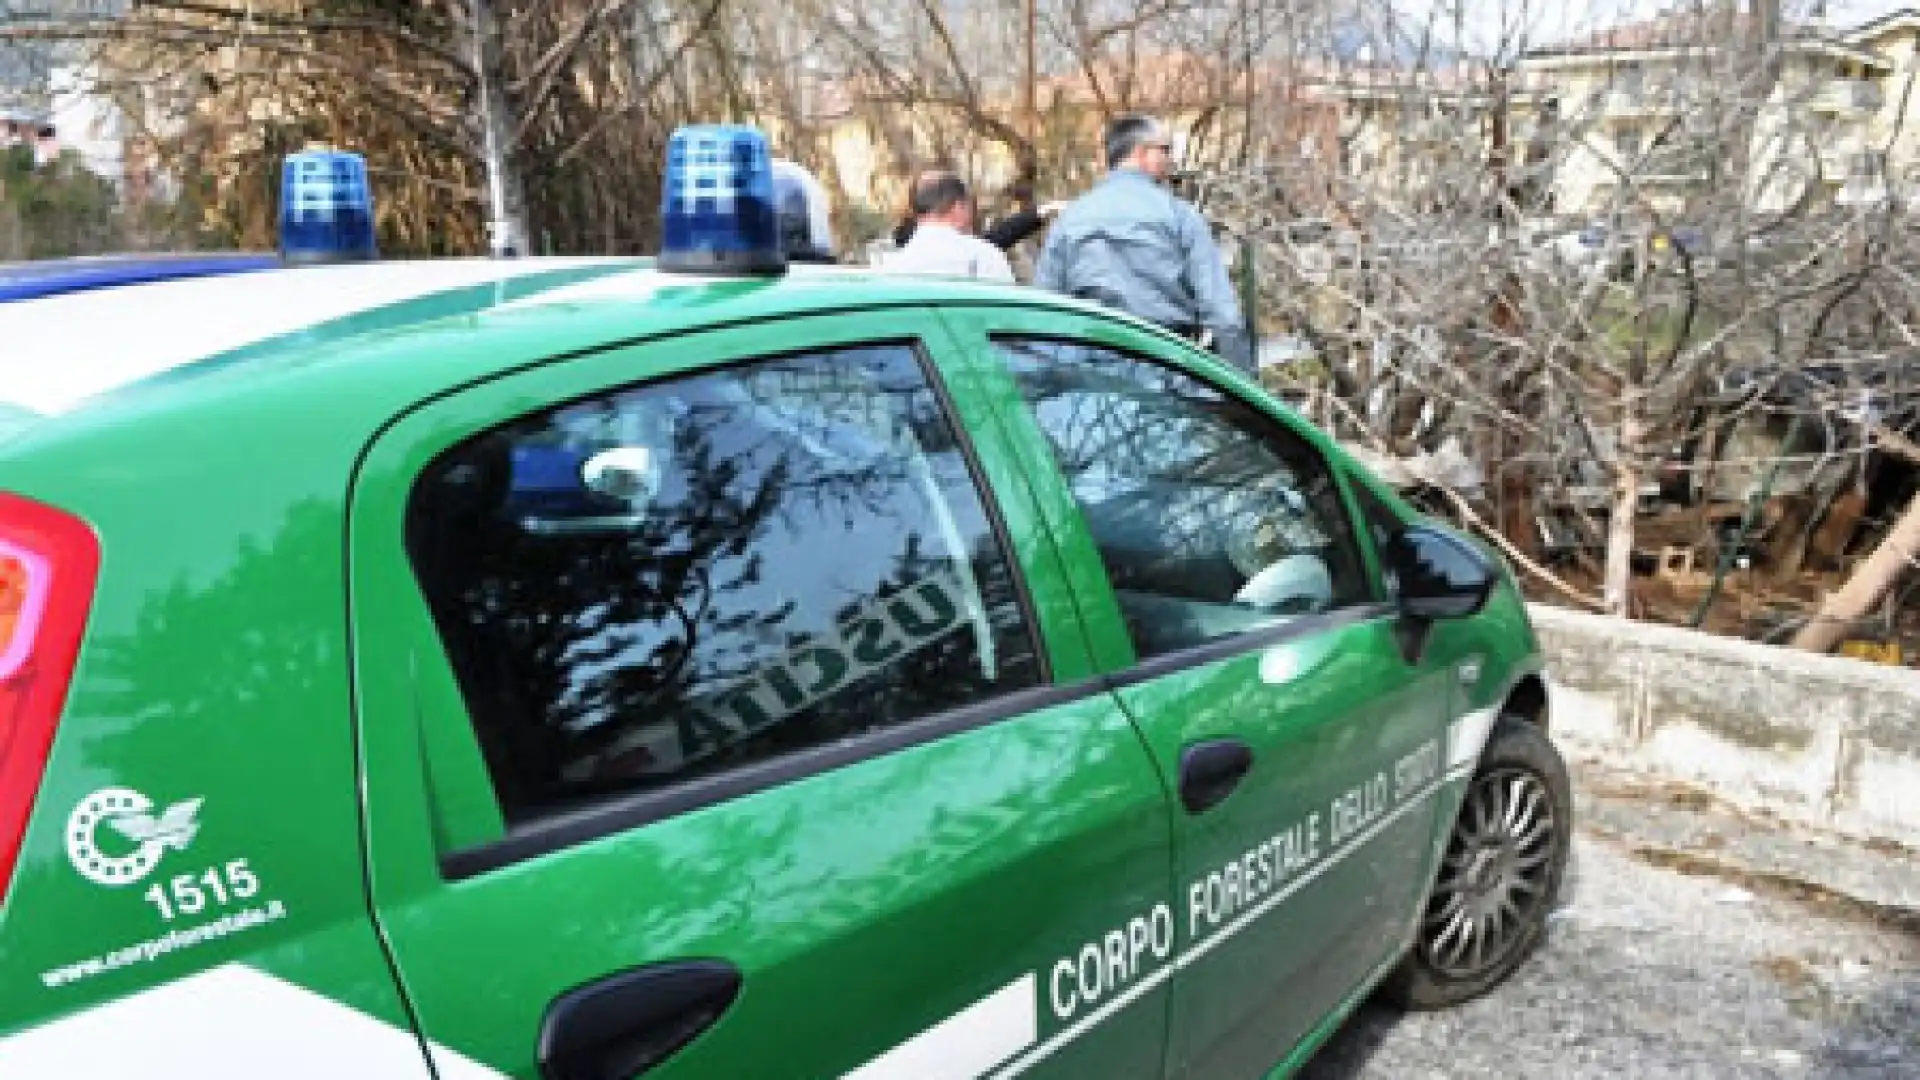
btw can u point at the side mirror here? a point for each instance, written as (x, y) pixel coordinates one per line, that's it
(1438, 575)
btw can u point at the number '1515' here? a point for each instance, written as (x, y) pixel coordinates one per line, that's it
(190, 894)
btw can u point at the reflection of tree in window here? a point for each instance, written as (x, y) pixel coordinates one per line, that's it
(814, 564)
(1208, 517)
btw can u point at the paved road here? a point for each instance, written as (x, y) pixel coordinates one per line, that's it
(1655, 973)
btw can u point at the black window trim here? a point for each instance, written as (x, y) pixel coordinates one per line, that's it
(990, 502)
(1373, 606)
(1228, 646)
(1364, 502)
(624, 813)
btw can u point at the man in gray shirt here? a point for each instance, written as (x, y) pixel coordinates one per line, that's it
(1131, 244)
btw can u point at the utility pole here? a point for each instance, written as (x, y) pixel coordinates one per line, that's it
(1513, 485)
(1766, 39)
(1029, 107)
(1766, 19)
(506, 234)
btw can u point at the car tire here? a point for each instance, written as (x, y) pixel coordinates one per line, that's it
(1500, 875)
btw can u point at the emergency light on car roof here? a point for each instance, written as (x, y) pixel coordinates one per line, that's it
(717, 212)
(326, 208)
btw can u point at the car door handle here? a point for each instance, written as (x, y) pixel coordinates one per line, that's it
(1210, 770)
(621, 1026)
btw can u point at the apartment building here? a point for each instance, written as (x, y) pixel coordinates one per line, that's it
(1889, 147)
(1414, 136)
(1655, 104)
(871, 138)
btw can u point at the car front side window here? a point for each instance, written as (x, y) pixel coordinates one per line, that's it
(1210, 518)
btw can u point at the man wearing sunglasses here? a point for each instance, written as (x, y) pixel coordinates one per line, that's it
(1132, 244)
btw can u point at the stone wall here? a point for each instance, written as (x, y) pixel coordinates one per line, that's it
(1816, 739)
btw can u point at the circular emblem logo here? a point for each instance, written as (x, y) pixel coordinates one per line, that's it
(129, 814)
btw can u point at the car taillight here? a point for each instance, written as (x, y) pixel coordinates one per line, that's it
(48, 563)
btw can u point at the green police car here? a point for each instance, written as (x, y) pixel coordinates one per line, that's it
(573, 668)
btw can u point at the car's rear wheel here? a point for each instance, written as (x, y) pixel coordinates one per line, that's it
(1502, 870)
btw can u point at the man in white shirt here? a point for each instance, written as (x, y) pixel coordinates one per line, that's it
(943, 243)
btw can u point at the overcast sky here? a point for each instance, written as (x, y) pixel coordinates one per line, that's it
(1546, 21)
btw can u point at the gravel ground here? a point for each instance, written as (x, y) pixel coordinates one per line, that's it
(1651, 972)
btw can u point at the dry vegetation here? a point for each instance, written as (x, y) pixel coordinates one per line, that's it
(1703, 418)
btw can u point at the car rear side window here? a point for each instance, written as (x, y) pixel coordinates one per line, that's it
(1211, 518)
(681, 579)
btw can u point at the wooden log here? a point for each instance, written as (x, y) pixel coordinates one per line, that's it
(1786, 550)
(1830, 540)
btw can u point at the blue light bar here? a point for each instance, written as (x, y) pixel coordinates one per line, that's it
(716, 207)
(326, 208)
(54, 277)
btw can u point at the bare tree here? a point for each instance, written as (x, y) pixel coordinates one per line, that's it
(1555, 264)
(521, 119)
(1559, 280)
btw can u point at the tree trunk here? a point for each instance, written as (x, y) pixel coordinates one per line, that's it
(1618, 576)
(1867, 585)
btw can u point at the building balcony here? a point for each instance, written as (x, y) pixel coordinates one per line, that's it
(1863, 192)
(1441, 130)
(1848, 97)
(1844, 160)
(1668, 176)
(1677, 169)
(1642, 103)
